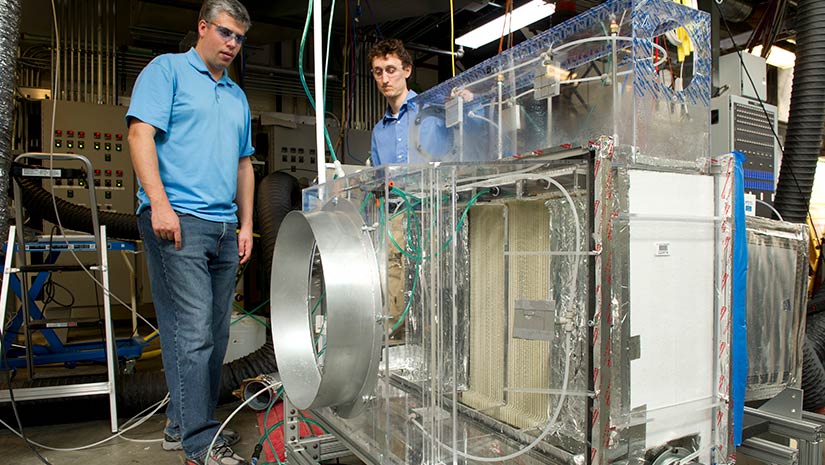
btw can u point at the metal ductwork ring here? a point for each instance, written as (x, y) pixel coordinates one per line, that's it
(342, 374)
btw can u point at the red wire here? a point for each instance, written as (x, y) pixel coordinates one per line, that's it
(507, 7)
(656, 54)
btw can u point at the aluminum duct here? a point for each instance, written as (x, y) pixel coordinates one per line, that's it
(9, 31)
(807, 114)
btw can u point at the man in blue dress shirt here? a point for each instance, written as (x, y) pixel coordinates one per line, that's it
(391, 66)
(190, 139)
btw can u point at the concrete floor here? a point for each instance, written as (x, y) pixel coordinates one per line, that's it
(120, 451)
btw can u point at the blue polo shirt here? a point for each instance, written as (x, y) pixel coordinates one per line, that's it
(203, 129)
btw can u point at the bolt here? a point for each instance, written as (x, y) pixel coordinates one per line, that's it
(291, 426)
(315, 446)
(315, 457)
(292, 412)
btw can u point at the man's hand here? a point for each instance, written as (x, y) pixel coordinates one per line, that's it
(166, 224)
(462, 92)
(246, 192)
(244, 245)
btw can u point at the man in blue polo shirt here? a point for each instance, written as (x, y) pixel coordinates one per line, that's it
(190, 140)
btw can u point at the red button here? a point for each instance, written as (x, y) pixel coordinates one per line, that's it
(119, 136)
(97, 134)
(58, 132)
(70, 132)
(97, 172)
(119, 172)
(81, 134)
(108, 172)
(108, 135)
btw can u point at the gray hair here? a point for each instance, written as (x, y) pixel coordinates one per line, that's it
(212, 8)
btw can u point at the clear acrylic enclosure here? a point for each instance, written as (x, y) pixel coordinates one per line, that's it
(603, 72)
(554, 288)
(537, 312)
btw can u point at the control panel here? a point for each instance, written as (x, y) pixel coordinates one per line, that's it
(753, 136)
(97, 132)
(292, 145)
(740, 124)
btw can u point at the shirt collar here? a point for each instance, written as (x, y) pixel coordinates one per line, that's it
(388, 116)
(196, 61)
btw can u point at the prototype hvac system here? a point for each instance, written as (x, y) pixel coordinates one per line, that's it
(564, 298)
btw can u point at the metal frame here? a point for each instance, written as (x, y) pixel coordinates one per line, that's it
(783, 416)
(311, 450)
(108, 386)
(56, 351)
(70, 390)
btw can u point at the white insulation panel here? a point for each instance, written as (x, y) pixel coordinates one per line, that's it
(671, 303)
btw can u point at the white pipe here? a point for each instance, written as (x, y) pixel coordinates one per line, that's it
(71, 46)
(500, 102)
(99, 52)
(113, 100)
(106, 43)
(614, 78)
(318, 66)
(79, 47)
(65, 57)
(85, 23)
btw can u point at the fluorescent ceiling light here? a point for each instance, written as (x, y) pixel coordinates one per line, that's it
(522, 16)
(777, 56)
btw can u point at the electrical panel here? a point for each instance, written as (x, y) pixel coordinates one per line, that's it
(98, 132)
(293, 149)
(734, 72)
(741, 124)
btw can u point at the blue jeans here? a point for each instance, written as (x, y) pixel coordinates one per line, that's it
(192, 289)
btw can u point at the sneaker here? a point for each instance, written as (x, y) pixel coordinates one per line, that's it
(230, 438)
(221, 455)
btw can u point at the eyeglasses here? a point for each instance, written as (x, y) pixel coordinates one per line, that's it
(227, 34)
(389, 71)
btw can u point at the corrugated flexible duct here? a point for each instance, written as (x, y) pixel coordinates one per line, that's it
(803, 141)
(9, 33)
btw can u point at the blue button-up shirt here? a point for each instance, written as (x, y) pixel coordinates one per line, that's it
(390, 136)
(412, 136)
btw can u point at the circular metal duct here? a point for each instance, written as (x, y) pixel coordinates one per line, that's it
(342, 374)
